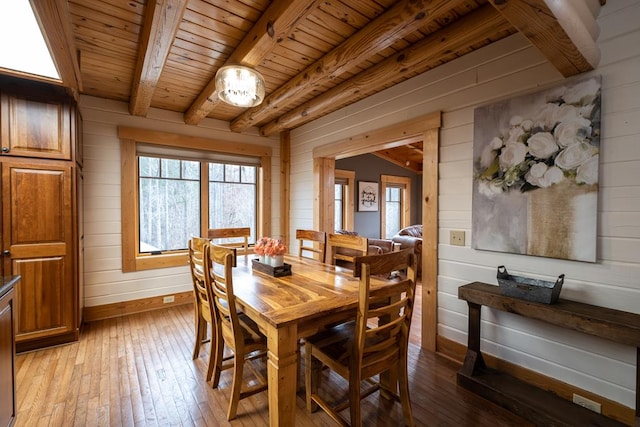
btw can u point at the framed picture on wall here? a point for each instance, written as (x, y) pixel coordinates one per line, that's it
(535, 189)
(368, 197)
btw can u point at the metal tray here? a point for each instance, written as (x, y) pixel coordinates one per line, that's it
(530, 289)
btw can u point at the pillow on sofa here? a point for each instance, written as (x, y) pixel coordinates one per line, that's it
(413, 231)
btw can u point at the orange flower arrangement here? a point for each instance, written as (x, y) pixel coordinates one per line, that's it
(261, 245)
(270, 247)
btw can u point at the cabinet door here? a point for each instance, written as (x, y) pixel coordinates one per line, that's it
(7, 360)
(39, 235)
(34, 128)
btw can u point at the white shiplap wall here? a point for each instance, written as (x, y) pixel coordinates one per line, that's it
(105, 282)
(502, 70)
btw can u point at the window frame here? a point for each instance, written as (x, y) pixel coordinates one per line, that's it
(404, 183)
(348, 202)
(132, 259)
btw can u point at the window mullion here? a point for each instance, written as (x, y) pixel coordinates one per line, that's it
(204, 197)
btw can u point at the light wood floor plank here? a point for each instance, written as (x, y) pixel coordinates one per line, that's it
(138, 371)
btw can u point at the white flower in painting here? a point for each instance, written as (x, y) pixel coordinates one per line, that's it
(587, 173)
(575, 155)
(546, 117)
(512, 154)
(515, 120)
(582, 93)
(513, 135)
(556, 141)
(553, 175)
(490, 152)
(543, 176)
(526, 125)
(542, 145)
(572, 131)
(567, 112)
(489, 188)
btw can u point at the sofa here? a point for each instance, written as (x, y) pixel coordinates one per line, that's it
(376, 246)
(411, 237)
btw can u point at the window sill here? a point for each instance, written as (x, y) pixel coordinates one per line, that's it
(150, 262)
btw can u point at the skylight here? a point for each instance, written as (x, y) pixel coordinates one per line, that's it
(22, 47)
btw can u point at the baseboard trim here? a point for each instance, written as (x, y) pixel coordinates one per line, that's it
(124, 308)
(456, 352)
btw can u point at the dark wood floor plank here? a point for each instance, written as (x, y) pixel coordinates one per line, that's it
(138, 371)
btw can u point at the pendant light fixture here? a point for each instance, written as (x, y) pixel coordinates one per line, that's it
(240, 86)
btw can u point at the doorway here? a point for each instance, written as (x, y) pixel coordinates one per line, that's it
(425, 129)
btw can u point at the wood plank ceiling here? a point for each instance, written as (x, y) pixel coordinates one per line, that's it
(316, 55)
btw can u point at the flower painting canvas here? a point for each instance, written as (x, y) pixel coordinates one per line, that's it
(535, 182)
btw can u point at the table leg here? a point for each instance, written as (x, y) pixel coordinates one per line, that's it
(473, 361)
(282, 347)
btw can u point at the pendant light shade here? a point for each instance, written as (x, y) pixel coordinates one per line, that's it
(240, 86)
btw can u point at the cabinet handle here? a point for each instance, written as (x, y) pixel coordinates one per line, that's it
(6, 252)
(5, 149)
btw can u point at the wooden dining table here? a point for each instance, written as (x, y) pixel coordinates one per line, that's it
(289, 308)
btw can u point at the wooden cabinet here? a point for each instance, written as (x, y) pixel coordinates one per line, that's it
(35, 128)
(7, 352)
(39, 227)
(38, 233)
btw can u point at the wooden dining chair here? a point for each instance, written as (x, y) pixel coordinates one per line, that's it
(238, 332)
(203, 309)
(375, 342)
(237, 237)
(311, 241)
(346, 247)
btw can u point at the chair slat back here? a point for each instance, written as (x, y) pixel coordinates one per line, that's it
(377, 348)
(357, 245)
(196, 265)
(239, 237)
(311, 241)
(219, 262)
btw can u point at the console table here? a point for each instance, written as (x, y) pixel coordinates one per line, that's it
(524, 399)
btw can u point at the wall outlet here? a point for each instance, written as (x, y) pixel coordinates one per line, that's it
(168, 299)
(587, 403)
(456, 237)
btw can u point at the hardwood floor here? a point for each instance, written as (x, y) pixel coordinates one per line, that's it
(137, 370)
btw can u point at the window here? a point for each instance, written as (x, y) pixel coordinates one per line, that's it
(343, 199)
(338, 218)
(232, 196)
(393, 203)
(396, 207)
(176, 187)
(169, 203)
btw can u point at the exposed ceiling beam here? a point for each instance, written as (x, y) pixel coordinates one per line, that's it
(275, 25)
(402, 19)
(546, 30)
(161, 23)
(418, 57)
(389, 156)
(55, 22)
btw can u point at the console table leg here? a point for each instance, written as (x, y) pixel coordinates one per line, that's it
(473, 361)
(637, 422)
